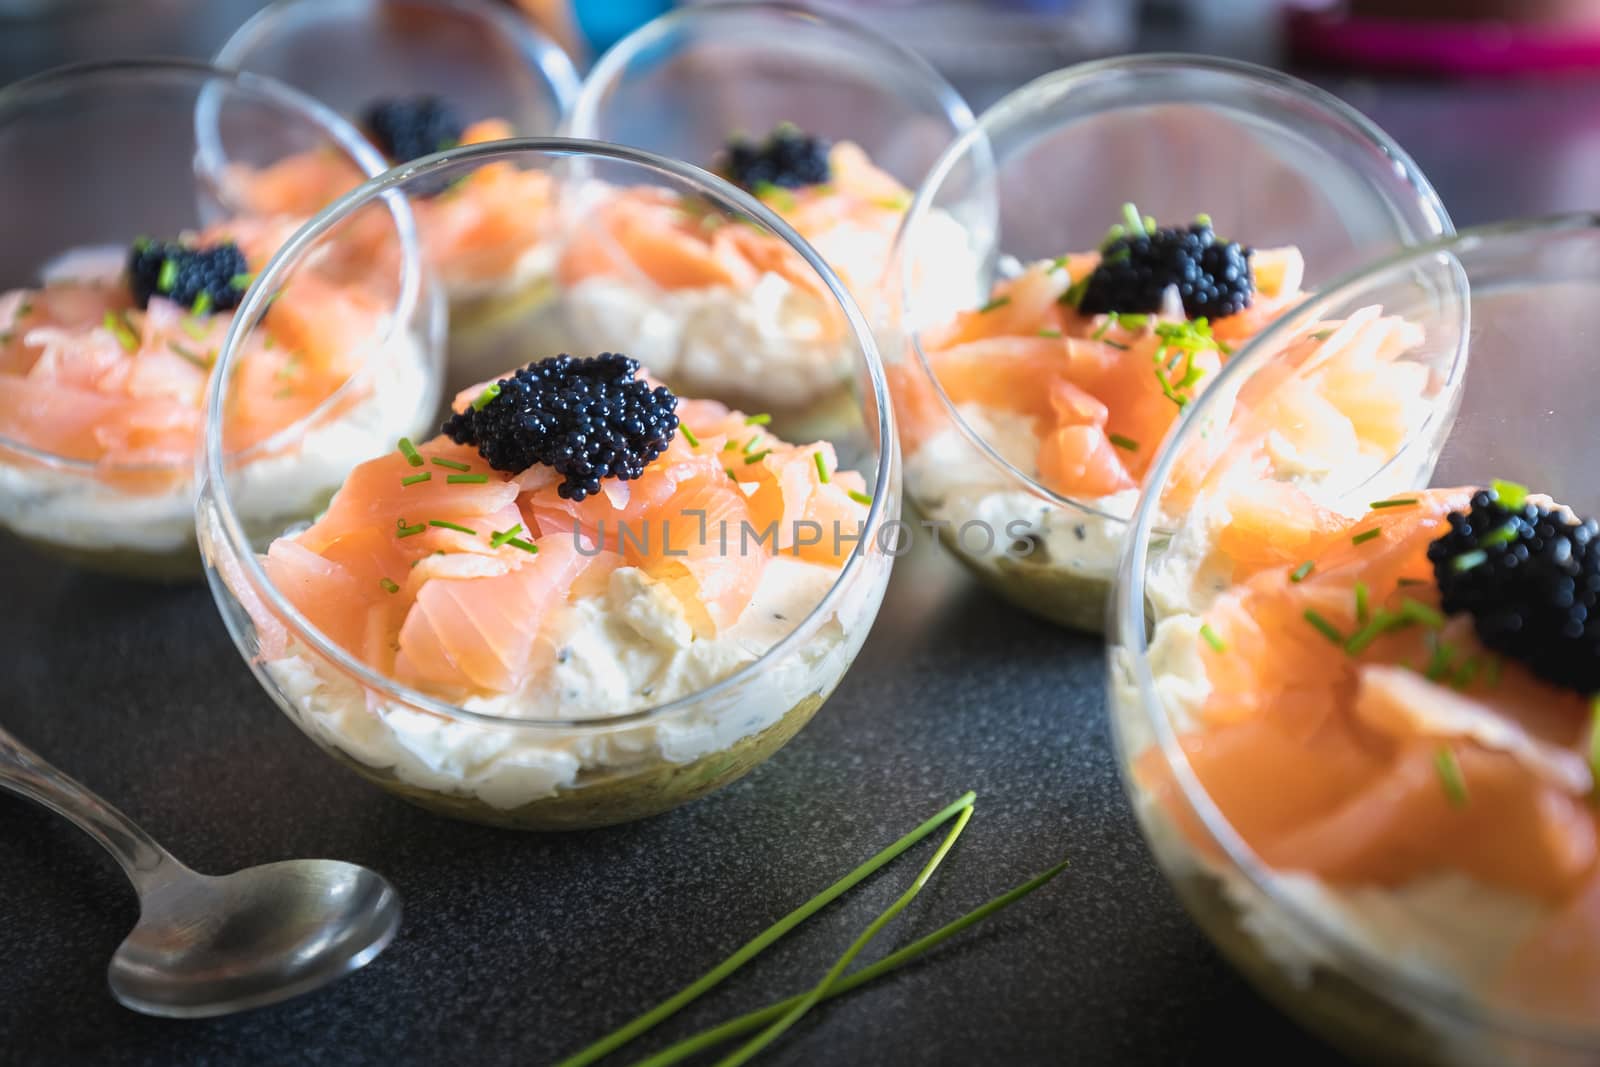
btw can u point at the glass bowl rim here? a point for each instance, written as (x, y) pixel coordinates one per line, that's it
(1055, 82)
(583, 120)
(280, 95)
(210, 464)
(1126, 635)
(555, 67)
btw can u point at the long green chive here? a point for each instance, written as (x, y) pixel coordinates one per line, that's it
(997, 302)
(409, 450)
(187, 353)
(743, 1024)
(1467, 673)
(1594, 740)
(1510, 494)
(120, 330)
(388, 586)
(1050, 333)
(168, 276)
(1302, 572)
(402, 530)
(1404, 502)
(482, 400)
(731, 446)
(711, 979)
(1202, 219)
(466, 479)
(1362, 596)
(1324, 627)
(688, 435)
(1468, 560)
(746, 1052)
(1382, 622)
(822, 467)
(241, 281)
(860, 498)
(1455, 785)
(1366, 535)
(416, 478)
(526, 546)
(500, 537)
(1122, 442)
(757, 420)
(1210, 635)
(758, 457)
(749, 446)
(1075, 291)
(201, 306)
(1132, 219)
(1440, 660)
(446, 525)
(1500, 535)
(1417, 611)
(450, 464)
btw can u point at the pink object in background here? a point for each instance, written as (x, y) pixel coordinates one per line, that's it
(1460, 37)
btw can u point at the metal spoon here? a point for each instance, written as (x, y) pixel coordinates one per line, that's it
(208, 946)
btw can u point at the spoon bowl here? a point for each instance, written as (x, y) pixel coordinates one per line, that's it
(213, 945)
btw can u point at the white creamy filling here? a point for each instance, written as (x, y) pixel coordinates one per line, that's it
(626, 650)
(534, 267)
(77, 510)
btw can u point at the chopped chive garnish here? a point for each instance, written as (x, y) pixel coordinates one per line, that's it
(1074, 293)
(481, 401)
(466, 479)
(240, 281)
(452, 464)
(526, 546)
(757, 420)
(201, 305)
(388, 586)
(119, 329)
(1366, 535)
(860, 498)
(1594, 740)
(1404, 502)
(1455, 786)
(749, 445)
(997, 302)
(1122, 442)
(1132, 220)
(402, 530)
(822, 467)
(1324, 627)
(892, 203)
(1467, 673)
(1300, 573)
(415, 478)
(187, 353)
(1512, 495)
(1439, 661)
(1118, 345)
(1362, 596)
(500, 537)
(409, 450)
(732, 477)
(1211, 638)
(1050, 333)
(731, 446)
(1417, 611)
(24, 309)
(446, 525)
(1500, 535)
(688, 435)
(1322, 335)
(1382, 622)
(758, 457)
(168, 276)
(1202, 219)
(1468, 560)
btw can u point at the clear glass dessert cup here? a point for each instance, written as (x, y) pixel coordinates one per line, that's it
(484, 59)
(481, 761)
(1272, 160)
(685, 83)
(1390, 978)
(92, 158)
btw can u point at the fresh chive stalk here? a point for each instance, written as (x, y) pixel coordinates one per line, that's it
(449, 464)
(1363, 596)
(409, 450)
(1450, 777)
(757, 420)
(1404, 502)
(500, 537)
(527, 546)
(1324, 627)
(1211, 638)
(688, 435)
(1366, 535)
(1126, 443)
(860, 498)
(388, 585)
(482, 400)
(822, 467)
(1302, 572)
(1468, 560)
(1417, 611)
(995, 304)
(1053, 334)
(757, 457)
(466, 479)
(414, 479)
(1510, 494)
(445, 524)
(168, 276)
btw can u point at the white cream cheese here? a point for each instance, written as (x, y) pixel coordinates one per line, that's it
(625, 650)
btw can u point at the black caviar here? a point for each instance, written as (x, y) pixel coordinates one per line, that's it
(407, 128)
(587, 418)
(214, 276)
(1213, 277)
(787, 158)
(1530, 578)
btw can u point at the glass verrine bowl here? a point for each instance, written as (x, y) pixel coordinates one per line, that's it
(1401, 853)
(1033, 391)
(481, 642)
(826, 122)
(108, 336)
(450, 71)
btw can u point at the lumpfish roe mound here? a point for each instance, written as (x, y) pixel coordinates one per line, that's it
(181, 274)
(1530, 578)
(788, 158)
(587, 418)
(407, 128)
(1213, 277)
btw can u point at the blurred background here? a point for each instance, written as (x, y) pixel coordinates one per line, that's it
(1458, 82)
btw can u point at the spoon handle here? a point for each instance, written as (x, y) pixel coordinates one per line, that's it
(24, 772)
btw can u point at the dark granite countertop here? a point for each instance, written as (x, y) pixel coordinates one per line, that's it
(518, 948)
